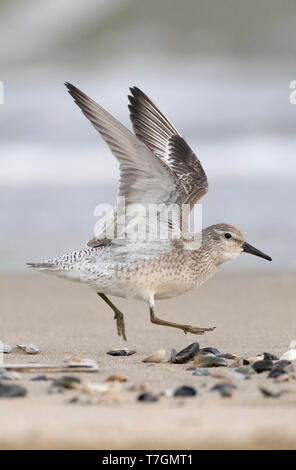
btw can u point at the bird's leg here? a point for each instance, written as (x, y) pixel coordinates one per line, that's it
(186, 328)
(118, 316)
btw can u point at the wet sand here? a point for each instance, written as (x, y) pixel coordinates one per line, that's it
(252, 313)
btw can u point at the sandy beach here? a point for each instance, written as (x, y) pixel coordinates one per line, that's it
(253, 313)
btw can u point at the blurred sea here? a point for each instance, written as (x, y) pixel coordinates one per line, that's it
(224, 84)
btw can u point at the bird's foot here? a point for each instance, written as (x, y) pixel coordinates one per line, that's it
(195, 330)
(120, 324)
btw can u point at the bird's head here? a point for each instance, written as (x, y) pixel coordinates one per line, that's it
(228, 243)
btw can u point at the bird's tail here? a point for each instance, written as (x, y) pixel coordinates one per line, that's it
(42, 266)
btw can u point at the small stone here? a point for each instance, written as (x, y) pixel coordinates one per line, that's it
(274, 373)
(116, 378)
(209, 361)
(262, 366)
(121, 352)
(66, 381)
(12, 390)
(225, 389)
(39, 378)
(5, 348)
(186, 354)
(201, 372)
(149, 397)
(268, 393)
(29, 348)
(185, 391)
(209, 350)
(270, 357)
(157, 356)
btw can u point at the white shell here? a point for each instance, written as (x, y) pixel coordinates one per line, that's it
(5, 348)
(29, 348)
(289, 355)
(157, 356)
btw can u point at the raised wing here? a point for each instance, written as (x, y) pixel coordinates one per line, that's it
(161, 137)
(144, 178)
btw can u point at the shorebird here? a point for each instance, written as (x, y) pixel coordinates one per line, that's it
(156, 167)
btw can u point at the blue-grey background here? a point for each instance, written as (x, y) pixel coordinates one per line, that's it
(219, 69)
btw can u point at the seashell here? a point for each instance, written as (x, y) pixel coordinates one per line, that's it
(173, 355)
(168, 393)
(209, 361)
(5, 348)
(270, 357)
(289, 367)
(67, 381)
(138, 388)
(149, 397)
(227, 356)
(283, 378)
(185, 391)
(276, 372)
(252, 360)
(104, 391)
(262, 366)
(225, 389)
(116, 378)
(29, 348)
(12, 390)
(239, 362)
(227, 374)
(121, 352)
(186, 354)
(38, 378)
(201, 372)
(290, 355)
(157, 356)
(209, 350)
(9, 375)
(267, 393)
(246, 370)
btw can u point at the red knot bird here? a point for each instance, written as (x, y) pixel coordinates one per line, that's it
(157, 167)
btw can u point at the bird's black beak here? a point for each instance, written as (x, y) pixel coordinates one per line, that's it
(253, 251)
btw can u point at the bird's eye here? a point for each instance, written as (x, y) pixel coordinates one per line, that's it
(227, 235)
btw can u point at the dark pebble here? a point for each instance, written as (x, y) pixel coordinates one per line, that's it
(262, 366)
(209, 350)
(281, 364)
(66, 381)
(121, 352)
(185, 391)
(147, 397)
(268, 394)
(12, 390)
(274, 373)
(39, 377)
(270, 357)
(186, 354)
(225, 389)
